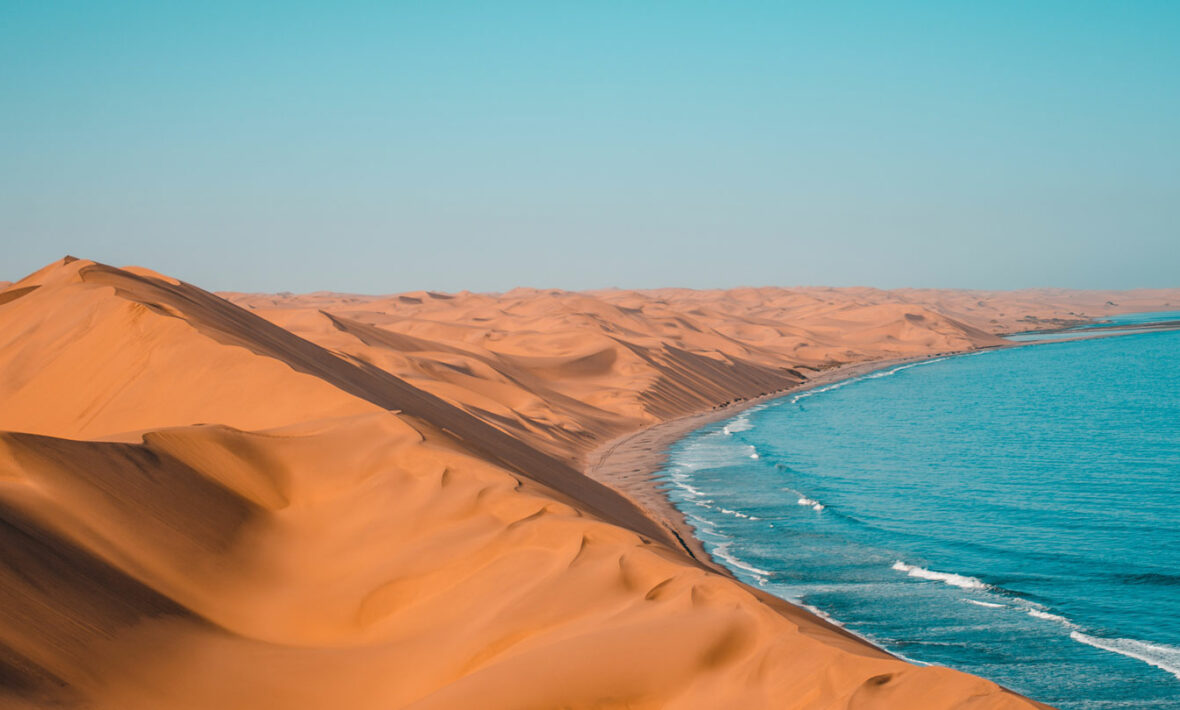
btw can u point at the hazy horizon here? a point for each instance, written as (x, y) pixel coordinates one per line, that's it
(15, 278)
(450, 147)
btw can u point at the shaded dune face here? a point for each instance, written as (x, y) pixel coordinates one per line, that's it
(185, 319)
(340, 506)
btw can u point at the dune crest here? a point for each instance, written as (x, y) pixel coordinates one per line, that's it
(329, 501)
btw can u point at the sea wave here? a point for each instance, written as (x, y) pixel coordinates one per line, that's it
(821, 390)
(1166, 658)
(989, 605)
(715, 450)
(722, 551)
(955, 580)
(742, 423)
(815, 504)
(1049, 616)
(705, 526)
(737, 514)
(870, 376)
(1161, 656)
(899, 368)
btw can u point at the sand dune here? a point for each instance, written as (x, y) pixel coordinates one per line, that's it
(327, 501)
(566, 371)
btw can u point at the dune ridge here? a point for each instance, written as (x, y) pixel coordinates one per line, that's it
(328, 501)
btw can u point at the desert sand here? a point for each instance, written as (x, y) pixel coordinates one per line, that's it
(338, 501)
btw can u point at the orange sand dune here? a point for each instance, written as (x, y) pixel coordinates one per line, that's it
(368, 502)
(566, 371)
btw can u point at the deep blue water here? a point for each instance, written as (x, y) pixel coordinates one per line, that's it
(1011, 513)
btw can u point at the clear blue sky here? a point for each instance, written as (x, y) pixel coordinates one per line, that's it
(390, 146)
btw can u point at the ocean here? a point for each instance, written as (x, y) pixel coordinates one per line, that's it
(1012, 513)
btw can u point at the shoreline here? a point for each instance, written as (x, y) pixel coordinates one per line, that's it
(629, 463)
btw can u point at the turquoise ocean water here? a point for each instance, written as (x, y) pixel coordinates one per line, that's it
(1011, 513)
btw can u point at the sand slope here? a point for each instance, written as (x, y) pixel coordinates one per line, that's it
(368, 502)
(565, 371)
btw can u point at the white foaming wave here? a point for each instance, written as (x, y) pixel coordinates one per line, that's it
(989, 605)
(804, 500)
(711, 451)
(698, 457)
(894, 371)
(722, 551)
(1162, 656)
(737, 514)
(887, 373)
(821, 390)
(871, 376)
(705, 526)
(955, 580)
(1166, 658)
(742, 423)
(681, 481)
(1047, 616)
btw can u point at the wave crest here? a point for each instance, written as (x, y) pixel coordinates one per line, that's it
(742, 423)
(955, 580)
(1166, 658)
(722, 551)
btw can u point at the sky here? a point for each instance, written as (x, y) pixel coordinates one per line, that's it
(377, 147)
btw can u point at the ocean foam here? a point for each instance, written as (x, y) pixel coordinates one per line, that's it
(989, 605)
(1166, 658)
(712, 451)
(955, 580)
(871, 376)
(742, 423)
(894, 371)
(821, 390)
(737, 514)
(815, 504)
(1039, 614)
(705, 527)
(722, 551)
